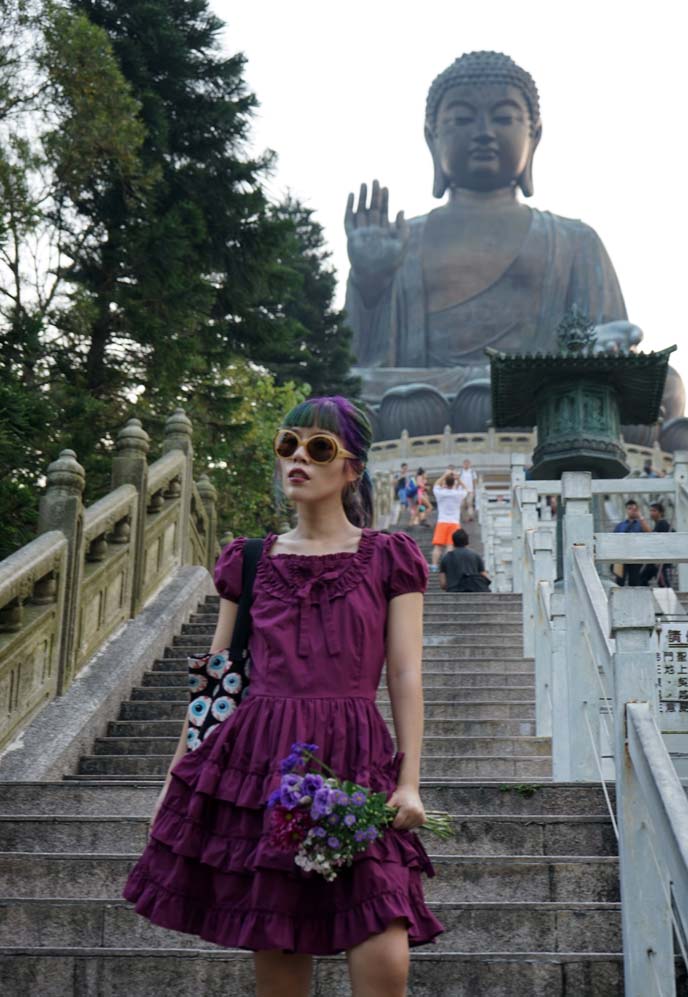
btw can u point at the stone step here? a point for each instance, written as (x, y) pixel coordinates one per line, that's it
(500, 634)
(488, 600)
(139, 972)
(431, 678)
(437, 745)
(459, 877)
(483, 693)
(432, 766)
(467, 624)
(95, 797)
(152, 709)
(455, 654)
(494, 646)
(475, 927)
(474, 622)
(437, 728)
(452, 646)
(436, 657)
(432, 610)
(474, 835)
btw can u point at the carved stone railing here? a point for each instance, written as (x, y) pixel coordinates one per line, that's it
(90, 569)
(598, 697)
(489, 449)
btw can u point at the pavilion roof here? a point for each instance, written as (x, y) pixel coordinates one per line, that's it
(638, 378)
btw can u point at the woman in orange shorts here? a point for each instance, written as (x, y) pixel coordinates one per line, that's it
(449, 495)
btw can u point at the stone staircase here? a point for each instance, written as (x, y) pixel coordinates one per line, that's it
(527, 890)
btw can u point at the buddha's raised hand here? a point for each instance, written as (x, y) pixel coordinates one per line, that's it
(376, 248)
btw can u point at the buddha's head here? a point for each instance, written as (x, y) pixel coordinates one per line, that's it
(482, 124)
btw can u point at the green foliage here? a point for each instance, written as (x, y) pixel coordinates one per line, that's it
(240, 454)
(141, 264)
(324, 356)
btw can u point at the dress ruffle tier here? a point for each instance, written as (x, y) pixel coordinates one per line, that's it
(210, 870)
(318, 650)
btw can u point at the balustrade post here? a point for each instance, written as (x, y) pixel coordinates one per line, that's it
(404, 445)
(447, 441)
(130, 467)
(584, 695)
(61, 508)
(561, 757)
(529, 520)
(543, 546)
(645, 913)
(681, 507)
(208, 494)
(518, 476)
(178, 436)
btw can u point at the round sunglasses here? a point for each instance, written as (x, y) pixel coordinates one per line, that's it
(322, 448)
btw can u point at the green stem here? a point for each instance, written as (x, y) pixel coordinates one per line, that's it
(318, 761)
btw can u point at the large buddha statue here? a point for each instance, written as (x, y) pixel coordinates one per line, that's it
(425, 297)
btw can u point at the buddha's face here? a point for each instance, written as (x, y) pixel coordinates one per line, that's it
(482, 136)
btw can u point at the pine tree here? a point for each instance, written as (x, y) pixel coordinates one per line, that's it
(324, 356)
(195, 281)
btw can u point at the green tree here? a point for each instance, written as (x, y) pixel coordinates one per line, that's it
(240, 455)
(324, 356)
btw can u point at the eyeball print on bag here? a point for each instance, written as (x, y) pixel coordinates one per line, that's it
(222, 707)
(192, 739)
(196, 660)
(232, 683)
(198, 710)
(245, 693)
(197, 683)
(217, 666)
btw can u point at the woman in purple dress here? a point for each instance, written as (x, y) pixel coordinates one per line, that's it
(333, 600)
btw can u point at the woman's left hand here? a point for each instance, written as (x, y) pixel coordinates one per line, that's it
(411, 811)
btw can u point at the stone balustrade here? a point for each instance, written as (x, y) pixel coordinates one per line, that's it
(610, 716)
(64, 594)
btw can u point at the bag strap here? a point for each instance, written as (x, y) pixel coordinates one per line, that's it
(242, 627)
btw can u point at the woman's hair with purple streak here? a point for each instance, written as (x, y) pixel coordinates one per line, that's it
(338, 415)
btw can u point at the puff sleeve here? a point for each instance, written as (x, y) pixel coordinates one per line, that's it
(406, 570)
(228, 568)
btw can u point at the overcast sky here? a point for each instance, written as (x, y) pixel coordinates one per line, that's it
(342, 88)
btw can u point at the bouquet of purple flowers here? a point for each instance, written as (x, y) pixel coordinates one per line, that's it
(324, 820)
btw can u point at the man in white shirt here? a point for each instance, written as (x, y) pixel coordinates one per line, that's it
(449, 494)
(467, 479)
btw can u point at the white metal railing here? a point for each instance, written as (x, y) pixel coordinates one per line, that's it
(494, 513)
(595, 651)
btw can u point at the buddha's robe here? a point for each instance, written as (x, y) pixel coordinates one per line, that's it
(561, 262)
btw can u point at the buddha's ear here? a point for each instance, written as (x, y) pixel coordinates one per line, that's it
(439, 180)
(525, 181)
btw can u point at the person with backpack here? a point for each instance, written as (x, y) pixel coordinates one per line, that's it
(412, 497)
(422, 499)
(400, 494)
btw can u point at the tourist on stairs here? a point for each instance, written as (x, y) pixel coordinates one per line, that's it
(462, 570)
(449, 495)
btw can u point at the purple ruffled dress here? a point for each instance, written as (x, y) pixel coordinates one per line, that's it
(318, 648)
